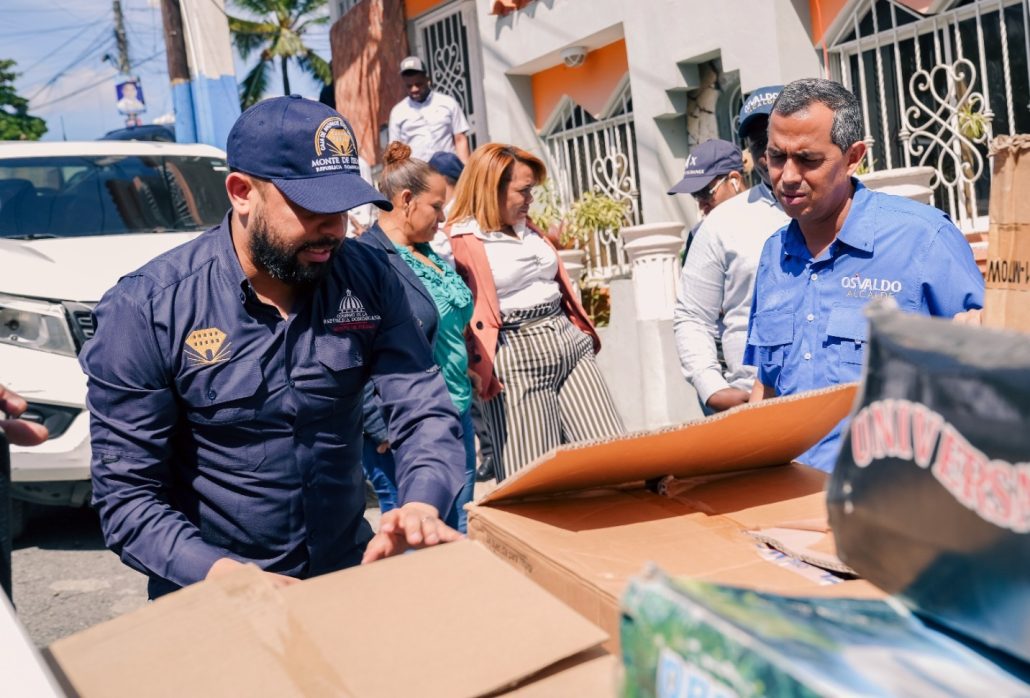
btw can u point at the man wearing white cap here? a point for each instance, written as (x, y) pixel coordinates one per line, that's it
(426, 120)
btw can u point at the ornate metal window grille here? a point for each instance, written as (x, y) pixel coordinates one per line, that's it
(935, 90)
(444, 43)
(589, 154)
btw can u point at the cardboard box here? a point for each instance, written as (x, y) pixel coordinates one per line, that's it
(686, 639)
(581, 523)
(1007, 297)
(447, 621)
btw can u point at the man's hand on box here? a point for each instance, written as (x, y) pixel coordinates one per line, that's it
(969, 317)
(226, 566)
(722, 400)
(412, 526)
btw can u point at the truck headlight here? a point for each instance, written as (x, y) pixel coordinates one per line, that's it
(35, 325)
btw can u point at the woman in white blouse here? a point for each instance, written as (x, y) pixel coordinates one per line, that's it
(531, 345)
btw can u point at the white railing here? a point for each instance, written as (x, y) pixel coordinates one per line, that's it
(935, 89)
(589, 154)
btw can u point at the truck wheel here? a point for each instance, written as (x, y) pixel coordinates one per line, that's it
(18, 516)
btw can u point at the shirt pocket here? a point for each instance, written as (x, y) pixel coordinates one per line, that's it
(846, 338)
(223, 407)
(344, 361)
(772, 335)
(227, 393)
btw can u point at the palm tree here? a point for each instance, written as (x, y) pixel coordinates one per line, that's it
(278, 34)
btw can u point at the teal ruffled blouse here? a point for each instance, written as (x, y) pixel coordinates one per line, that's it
(454, 304)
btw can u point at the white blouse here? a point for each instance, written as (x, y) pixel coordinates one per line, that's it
(525, 267)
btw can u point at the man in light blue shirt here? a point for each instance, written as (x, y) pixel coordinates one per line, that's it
(845, 245)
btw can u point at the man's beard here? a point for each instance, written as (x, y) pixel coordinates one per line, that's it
(280, 260)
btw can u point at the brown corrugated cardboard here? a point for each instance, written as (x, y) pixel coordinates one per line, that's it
(575, 523)
(1007, 297)
(448, 621)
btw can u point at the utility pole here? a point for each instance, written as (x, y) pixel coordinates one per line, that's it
(124, 66)
(178, 71)
(175, 42)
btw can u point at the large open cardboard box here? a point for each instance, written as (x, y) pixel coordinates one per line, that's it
(447, 621)
(580, 521)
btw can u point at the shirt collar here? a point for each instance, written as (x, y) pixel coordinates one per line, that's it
(859, 227)
(228, 262)
(424, 103)
(471, 226)
(858, 231)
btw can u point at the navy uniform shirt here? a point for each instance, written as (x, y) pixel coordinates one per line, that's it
(807, 329)
(221, 429)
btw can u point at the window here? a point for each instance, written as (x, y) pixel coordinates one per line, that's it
(936, 89)
(589, 154)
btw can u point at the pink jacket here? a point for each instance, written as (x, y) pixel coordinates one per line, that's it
(481, 338)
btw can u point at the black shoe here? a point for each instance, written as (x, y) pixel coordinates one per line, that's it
(485, 471)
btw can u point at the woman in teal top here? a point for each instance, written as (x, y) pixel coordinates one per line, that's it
(440, 301)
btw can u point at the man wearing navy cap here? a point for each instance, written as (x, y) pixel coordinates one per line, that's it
(226, 377)
(714, 173)
(719, 273)
(427, 120)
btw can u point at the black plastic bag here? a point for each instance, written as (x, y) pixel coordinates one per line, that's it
(930, 499)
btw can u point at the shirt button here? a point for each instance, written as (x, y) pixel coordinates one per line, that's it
(808, 356)
(293, 383)
(243, 297)
(815, 277)
(479, 325)
(211, 395)
(810, 317)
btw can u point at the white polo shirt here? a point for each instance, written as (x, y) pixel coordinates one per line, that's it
(427, 127)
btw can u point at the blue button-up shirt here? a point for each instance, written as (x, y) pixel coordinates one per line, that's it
(806, 328)
(221, 429)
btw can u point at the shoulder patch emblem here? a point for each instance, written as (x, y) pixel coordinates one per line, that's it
(207, 346)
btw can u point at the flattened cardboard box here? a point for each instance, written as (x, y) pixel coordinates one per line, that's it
(447, 621)
(580, 522)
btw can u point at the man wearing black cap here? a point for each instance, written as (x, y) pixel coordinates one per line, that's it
(718, 276)
(226, 377)
(427, 120)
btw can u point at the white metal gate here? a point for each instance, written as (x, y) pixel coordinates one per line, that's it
(589, 154)
(451, 51)
(936, 88)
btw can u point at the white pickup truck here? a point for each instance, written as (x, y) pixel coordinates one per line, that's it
(74, 217)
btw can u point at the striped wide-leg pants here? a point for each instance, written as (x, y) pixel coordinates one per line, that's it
(553, 391)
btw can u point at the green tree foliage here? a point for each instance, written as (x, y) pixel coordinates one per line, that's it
(16, 124)
(277, 36)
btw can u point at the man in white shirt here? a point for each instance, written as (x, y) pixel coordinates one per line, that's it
(718, 276)
(426, 120)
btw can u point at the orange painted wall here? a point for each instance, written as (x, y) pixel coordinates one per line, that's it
(590, 85)
(825, 11)
(413, 8)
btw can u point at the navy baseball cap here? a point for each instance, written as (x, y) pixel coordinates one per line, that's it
(707, 161)
(447, 164)
(307, 150)
(758, 103)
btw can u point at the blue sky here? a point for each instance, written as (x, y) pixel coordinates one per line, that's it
(60, 44)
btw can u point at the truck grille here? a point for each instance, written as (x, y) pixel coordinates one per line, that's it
(81, 317)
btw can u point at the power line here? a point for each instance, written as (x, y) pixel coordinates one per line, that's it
(99, 43)
(36, 107)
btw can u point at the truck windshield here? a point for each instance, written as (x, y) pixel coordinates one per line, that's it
(76, 196)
